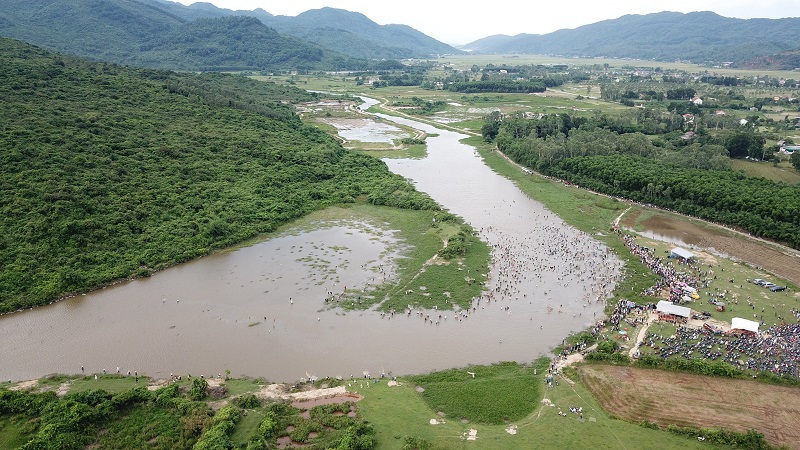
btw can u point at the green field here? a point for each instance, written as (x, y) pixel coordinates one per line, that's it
(783, 173)
(464, 62)
(399, 413)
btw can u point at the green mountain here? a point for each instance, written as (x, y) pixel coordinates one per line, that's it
(667, 36)
(109, 30)
(349, 33)
(109, 171)
(236, 43)
(354, 34)
(151, 33)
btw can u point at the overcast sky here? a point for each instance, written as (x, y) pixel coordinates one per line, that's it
(457, 22)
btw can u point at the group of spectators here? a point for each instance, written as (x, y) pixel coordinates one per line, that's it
(672, 280)
(776, 349)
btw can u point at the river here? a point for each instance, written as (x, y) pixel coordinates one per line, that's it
(260, 311)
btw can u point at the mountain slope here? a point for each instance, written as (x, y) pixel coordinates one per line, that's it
(101, 29)
(349, 33)
(697, 37)
(108, 171)
(233, 43)
(152, 33)
(788, 60)
(372, 40)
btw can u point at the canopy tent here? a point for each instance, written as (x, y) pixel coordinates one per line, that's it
(737, 323)
(678, 252)
(668, 308)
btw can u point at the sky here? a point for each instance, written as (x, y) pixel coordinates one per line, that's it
(458, 23)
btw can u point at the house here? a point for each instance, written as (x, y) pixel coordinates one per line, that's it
(697, 101)
(688, 118)
(688, 136)
(719, 112)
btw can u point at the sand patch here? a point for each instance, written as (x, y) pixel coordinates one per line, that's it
(25, 385)
(278, 391)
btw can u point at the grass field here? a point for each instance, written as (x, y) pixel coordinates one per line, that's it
(683, 399)
(401, 412)
(499, 393)
(784, 172)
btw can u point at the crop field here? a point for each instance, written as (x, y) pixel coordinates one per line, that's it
(671, 398)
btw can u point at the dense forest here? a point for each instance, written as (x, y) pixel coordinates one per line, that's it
(474, 87)
(109, 171)
(605, 155)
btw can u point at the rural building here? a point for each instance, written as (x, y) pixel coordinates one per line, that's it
(672, 313)
(743, 326)
(678, 252)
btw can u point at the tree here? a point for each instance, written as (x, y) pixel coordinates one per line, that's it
(745, 143)
(796, 160)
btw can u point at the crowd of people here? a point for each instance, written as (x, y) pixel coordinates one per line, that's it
(673, 281)
(538, 268)
(776, 349)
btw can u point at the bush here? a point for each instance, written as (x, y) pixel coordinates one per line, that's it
(750, 439)
(607, 346)
(199, 389)
(218, 436)
(248, 401)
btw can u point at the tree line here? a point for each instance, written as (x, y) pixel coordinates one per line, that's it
(691, 179)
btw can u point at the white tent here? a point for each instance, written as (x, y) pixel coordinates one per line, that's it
(681, 253)
(666, 307)
(737, 323)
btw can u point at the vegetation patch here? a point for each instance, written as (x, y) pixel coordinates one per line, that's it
(495, 394)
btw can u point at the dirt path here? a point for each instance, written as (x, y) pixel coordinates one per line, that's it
(619, 217)
(574, 357)
(651, 317)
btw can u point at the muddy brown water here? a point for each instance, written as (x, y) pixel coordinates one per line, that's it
(260, 310)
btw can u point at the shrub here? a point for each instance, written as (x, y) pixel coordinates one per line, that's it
(199, 389)
(248, 401)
